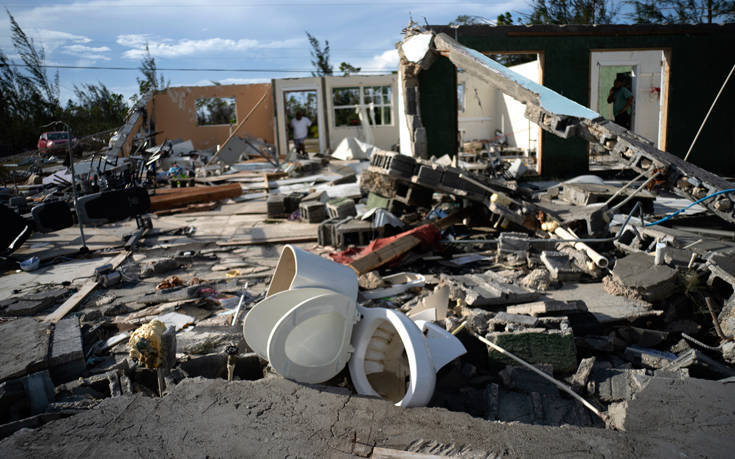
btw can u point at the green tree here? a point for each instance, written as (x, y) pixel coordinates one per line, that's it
(681, 11)
(29, 98)
(467, 19)
(320, 56)
(151, 81)
(572, 12)
(348, 69)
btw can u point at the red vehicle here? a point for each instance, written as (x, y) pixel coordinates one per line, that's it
(55, 141)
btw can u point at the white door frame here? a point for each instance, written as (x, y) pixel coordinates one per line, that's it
(285, 85)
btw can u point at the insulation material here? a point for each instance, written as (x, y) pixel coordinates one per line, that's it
(145, 344)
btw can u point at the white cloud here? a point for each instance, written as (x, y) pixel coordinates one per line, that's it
(88, 53)
(53, 39)
(386, 62)
(189, 47)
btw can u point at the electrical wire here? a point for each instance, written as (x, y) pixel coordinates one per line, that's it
(187, 69)
(672, 215)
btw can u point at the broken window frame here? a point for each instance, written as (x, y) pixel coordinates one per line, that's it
(197, 108)
(364, 93)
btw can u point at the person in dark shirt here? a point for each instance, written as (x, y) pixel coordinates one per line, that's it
(622, 100)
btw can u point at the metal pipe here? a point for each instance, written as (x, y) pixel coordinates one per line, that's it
(599, 260)
(686, 157)
(625, 187)
(632, 195)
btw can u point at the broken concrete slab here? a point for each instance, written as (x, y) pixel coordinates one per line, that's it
(25, 347)
(560, 267)
(538, 308)
(486, 290)
(637, 271)
(66, 357)
(605, 307)
(31, 304)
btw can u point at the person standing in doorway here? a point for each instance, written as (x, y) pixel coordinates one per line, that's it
(300, 126)
(622, 100)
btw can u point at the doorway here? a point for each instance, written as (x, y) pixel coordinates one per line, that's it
(306, 103)
(291, 95)
(645, 74)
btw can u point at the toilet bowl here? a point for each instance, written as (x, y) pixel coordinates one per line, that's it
(309, 327)
(298, 268)
(391, 359)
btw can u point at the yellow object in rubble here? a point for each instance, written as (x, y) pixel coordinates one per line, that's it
(145, 344)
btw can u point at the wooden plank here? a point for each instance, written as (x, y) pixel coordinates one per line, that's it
(268, 240)
(82, 293)
(185, 196)
(385, 254)
(398, 247)
(388, 453)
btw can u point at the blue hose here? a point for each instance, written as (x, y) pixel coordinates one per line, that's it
(668, 217)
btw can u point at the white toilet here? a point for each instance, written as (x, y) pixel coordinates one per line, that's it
(309, 326)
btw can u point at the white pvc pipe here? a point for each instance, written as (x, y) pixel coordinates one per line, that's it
(599, 260)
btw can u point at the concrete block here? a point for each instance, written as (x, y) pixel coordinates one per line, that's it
(579, 380)
(66, 359)
(313, 211)
(515, 244)
(341, 209)
(560, 266)
(552, 342)
(638, 272)
(353, 232)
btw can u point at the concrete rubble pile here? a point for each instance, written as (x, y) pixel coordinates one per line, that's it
(464, 285)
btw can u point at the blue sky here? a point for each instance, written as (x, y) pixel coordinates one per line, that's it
(242, 34)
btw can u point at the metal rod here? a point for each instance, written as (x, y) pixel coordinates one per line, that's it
(625, 187)
(239, 304)
(714, 318)
(557, 383)
(689, 152)
(632, 195)
(74, 186)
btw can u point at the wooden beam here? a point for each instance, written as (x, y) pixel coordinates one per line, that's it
(185, 196)
(267, 240)
(82, 293)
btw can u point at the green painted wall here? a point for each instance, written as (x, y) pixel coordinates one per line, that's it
(701, 57)
(438, 102)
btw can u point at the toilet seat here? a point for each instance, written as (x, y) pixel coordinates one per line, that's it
(311, 342)
(377, 329)
(260, 321)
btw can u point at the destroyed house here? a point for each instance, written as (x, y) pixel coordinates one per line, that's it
(674, 72)
(208, 115)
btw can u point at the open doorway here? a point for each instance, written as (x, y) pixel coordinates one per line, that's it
(305, 103)
(616, 86)
(644, 74)
(492, 123)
